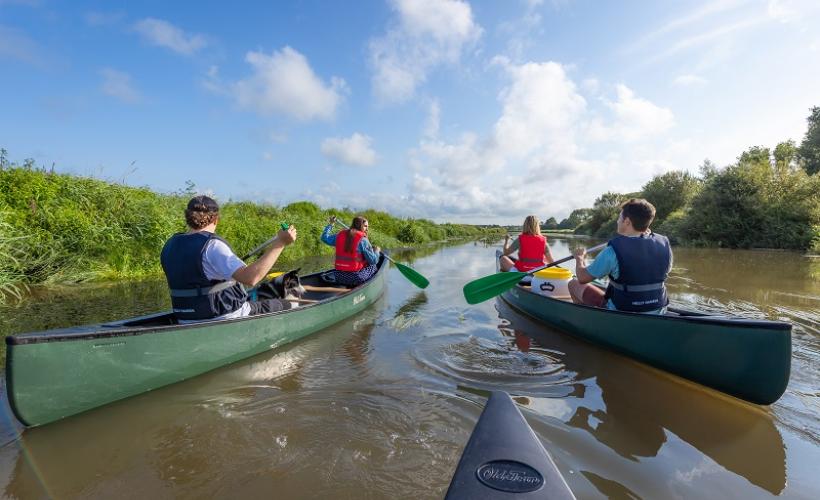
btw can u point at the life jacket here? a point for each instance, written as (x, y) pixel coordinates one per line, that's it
(643, 264)
(193, 295)
(531, 251)
(349, 261)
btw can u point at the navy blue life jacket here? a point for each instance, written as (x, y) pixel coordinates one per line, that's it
(193, 295)
(643, 265)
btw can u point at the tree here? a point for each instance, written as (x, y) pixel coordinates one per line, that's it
(809, 150)
(576, 218)
(669, 192)
(755, 154)
(550, 223)
(785, 154)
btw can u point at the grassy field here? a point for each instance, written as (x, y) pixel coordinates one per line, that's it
(58, 228)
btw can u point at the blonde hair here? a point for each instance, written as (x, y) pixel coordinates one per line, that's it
(532, 226)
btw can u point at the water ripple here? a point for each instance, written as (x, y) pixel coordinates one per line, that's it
(486, 363)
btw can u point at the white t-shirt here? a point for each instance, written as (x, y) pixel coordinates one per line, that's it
(219, 263)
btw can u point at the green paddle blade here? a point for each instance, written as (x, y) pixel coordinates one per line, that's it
(412, 275)
(490, 286)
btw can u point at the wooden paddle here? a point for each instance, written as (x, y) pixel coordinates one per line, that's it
(490, 286)
(258, 249)
(411, 274)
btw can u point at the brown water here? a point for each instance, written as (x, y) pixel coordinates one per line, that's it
(380, 406)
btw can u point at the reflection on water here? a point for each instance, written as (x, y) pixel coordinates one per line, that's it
(381, 405)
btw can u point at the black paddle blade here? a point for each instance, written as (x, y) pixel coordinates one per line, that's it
(490, 286)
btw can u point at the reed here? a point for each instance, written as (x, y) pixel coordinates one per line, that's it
(61, 228)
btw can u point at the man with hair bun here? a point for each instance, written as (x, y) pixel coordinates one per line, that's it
(637, 262)
(206, 277)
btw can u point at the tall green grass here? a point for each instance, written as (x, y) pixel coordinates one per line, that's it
(64, 228)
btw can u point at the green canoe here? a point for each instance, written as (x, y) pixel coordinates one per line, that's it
(54, 374)
(746, 358)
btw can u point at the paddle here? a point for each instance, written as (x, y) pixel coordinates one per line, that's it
(411, 274)
(490, 286)
(258, 249)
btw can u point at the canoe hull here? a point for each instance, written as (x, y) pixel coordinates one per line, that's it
(56, 374)
(748, 359)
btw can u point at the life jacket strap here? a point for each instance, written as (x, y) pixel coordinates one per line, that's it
(200, 291)
(636, 288)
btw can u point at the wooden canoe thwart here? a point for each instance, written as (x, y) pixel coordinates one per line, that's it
(746, 358)
(57, 373)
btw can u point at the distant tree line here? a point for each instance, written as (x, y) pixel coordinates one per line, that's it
(766, 199)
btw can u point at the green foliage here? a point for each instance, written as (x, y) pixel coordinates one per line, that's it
(762, 201)
(809, 151)
(550, 223)
(785, 155)
(753, 204)
(411, 233)
(603, 216)
(670, 192)
(576, 218)
(64, 228)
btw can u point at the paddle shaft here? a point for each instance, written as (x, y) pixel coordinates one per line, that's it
(567, 259)
(263, 245)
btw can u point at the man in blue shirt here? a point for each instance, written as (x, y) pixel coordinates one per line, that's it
(637, 262)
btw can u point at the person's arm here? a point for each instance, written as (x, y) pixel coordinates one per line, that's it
(371, 254)
(548, 254)
(581, 266)
(606, 263)
(512, 248)
(506, 244)
(327, 238)
(252, 274)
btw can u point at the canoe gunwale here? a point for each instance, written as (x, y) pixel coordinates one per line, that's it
(117, 329)
(700, 318)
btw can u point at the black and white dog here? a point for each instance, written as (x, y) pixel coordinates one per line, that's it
(285, 287)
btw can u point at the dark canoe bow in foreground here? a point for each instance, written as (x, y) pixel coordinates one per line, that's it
(54, 374)
(746, 358)
(504, 459)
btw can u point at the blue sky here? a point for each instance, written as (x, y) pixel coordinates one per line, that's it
(447, 109)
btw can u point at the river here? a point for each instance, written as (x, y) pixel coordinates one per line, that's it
(381, 405)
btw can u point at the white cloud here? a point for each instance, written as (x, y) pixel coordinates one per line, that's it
(284, 82)
(118, 84)
(539, 156)
(428, 33)
(689, 81)
(431, 128)
(14, 44)
(635, 118)
(164, 34)
(354, 150)
(682, 21)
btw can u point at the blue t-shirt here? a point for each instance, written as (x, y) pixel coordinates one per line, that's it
(365, 248)
(605, 264)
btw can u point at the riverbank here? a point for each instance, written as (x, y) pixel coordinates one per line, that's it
(59, 228)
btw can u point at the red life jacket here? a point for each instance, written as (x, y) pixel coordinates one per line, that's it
(352, 261)
(531, 252)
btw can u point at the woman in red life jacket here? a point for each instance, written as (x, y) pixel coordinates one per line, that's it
(356, 258)
(532, 246)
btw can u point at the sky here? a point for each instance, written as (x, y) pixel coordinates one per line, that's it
(476, 112)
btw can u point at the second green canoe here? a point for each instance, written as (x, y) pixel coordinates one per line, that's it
(54, 374)
(746, 358)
